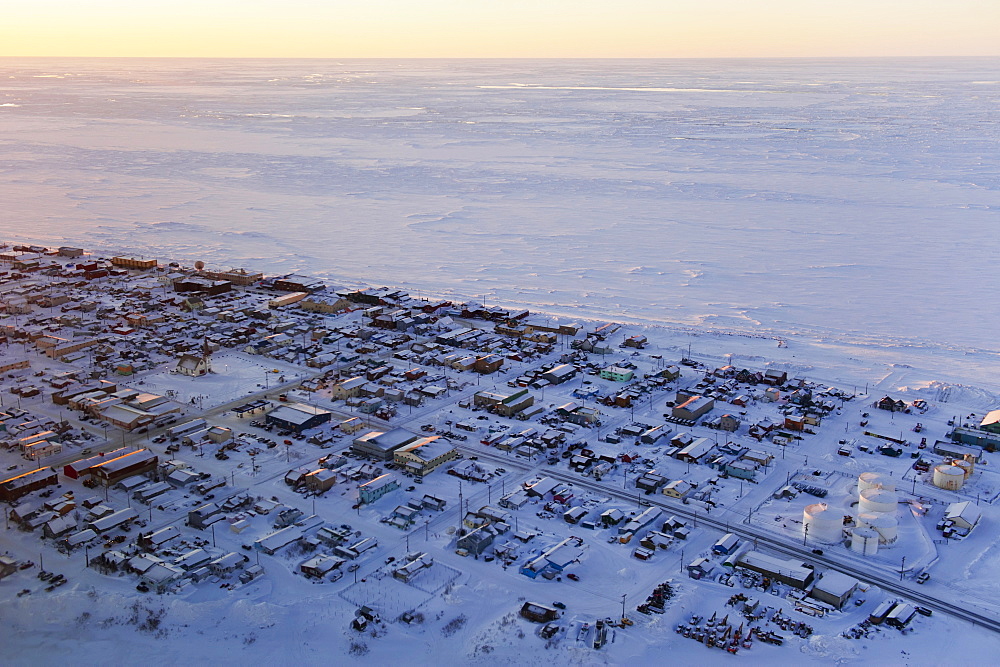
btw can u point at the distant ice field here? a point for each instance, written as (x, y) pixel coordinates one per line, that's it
(855, 201)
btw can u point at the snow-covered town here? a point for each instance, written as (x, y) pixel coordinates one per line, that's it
(270, 460)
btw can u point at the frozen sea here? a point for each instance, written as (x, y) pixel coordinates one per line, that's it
(850, 201)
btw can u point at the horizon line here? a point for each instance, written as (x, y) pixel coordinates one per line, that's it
(759, 57)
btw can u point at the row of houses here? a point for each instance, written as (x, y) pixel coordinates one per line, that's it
(58, 519)
(163, 573)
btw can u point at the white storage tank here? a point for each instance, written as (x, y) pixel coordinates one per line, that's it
(967, 467)
(875, 480)
(864, 541)
(824, 525)
(949, 477)
(882, 523)
(878, 500)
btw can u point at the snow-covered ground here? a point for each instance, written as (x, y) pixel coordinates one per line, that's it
(236, 375)
(468, 607)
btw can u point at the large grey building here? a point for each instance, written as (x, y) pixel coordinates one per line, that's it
(382, 445)
(297, 417)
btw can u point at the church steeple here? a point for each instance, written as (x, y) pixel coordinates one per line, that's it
(206, 353)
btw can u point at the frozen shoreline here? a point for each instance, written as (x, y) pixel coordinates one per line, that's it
(838, 357)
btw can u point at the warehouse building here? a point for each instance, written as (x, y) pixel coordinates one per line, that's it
(693, 408)
(22, 484)
(900, 615)
(297, 417)
(786, 571)
(969, 444)
(382, 445)
(114, 470)
(834, 588)
(296, 283)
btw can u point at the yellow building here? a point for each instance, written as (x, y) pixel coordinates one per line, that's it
(424, 455)
(133, 262)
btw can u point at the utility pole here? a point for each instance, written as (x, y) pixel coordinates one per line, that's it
(459, 506)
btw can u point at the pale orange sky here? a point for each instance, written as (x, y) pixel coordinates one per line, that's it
(500, 28)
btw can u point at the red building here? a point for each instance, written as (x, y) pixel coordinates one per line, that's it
(20, 485)
(76, 469)
(134, 463)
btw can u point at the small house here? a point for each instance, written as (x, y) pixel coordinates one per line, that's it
(700, 568)
(538, 613)
(726, 545)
